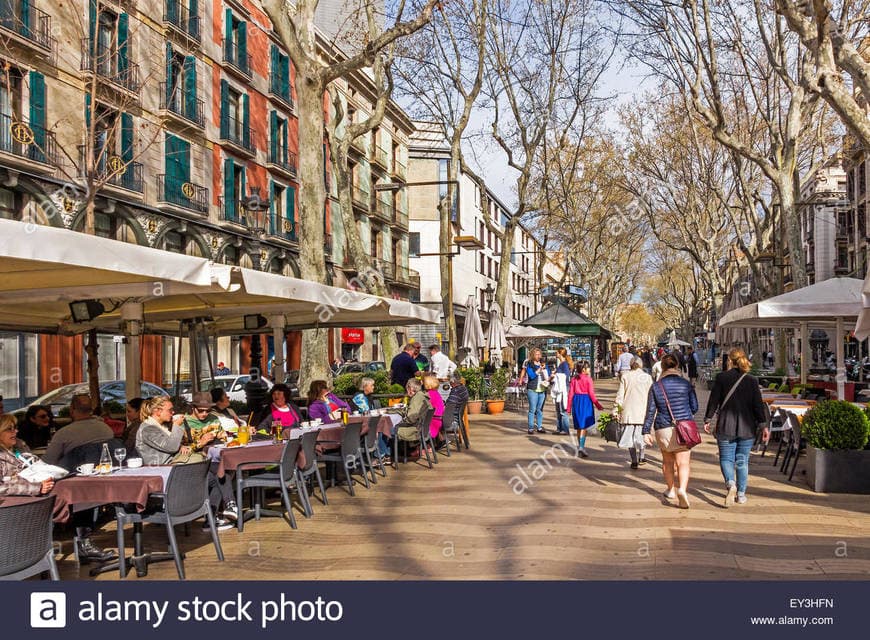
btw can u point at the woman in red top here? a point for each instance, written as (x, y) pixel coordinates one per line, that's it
(581, 398)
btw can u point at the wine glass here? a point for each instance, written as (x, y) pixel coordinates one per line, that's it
(120, 454)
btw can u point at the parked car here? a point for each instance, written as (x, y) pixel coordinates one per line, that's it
(361, 367)
(110, 391)
(234, 385)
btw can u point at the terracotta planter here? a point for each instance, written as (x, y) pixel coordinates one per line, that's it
(494, 407)
(475, 406)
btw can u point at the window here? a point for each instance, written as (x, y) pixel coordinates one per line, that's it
(413, 244)
(443, 171)
(279, 75)
(278, 141)
(231, 255)
(234, 190)
(235, 116)
(174, 242)
(482, 231)
(236, 42)
(282, 211)
(376, 246)
(482, 263)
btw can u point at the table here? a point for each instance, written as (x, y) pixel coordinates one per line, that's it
(127, 486)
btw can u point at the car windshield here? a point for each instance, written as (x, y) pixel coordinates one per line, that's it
(217, 383)
(63, 395)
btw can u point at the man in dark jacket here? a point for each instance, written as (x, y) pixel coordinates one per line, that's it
(403, 367)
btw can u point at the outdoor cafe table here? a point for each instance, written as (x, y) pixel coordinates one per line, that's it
(125, 486)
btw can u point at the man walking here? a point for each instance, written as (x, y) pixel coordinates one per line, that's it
(439, 363)
(623, 364)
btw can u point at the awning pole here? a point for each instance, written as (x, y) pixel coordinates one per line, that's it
(277, 323)
(805, 352)
(132, 314)
(841, 365)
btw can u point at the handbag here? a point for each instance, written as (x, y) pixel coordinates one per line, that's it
(613, 431)
(731, 391)
(686, 430)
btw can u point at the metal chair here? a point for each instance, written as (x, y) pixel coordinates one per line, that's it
(453, 423)
(370, 446)
(312, 468)
(793, 451)
(26, 546)
(351, 456)
(184, 500)
(419, 439)
(285, 478)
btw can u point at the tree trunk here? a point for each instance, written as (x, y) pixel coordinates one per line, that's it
(792, 223)
(310, 226)
(92, 349)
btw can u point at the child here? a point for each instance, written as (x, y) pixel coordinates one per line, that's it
(581, 398)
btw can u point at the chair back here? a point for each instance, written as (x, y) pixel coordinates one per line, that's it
(186, 489)
(449, 415)
(767, 417)
(89, 453)
(350, 441)
(288, 458)
(371, 436)
(426, 421)
(309, 448)
(795, 441)
(25, 534)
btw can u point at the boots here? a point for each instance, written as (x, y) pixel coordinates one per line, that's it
(87, 551)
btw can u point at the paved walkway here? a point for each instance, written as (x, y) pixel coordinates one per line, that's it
(519, 507)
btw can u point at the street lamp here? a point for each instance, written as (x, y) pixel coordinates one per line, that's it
(488, 295)
(254, 209)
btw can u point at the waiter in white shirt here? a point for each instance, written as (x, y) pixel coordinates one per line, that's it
(440, 364)
(624, 362)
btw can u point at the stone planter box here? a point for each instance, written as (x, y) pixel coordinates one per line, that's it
(845, 471)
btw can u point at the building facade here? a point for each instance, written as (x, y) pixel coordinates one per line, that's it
(181, 116)
(827, 224)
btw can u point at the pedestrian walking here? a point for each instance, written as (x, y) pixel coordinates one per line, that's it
(736, 400)
(630, 409)
(670, 399)
(692, 366)
(581, 399)
(559, 390)
(623, 363)
(538, 382)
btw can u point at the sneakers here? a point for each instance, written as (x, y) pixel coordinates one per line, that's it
(634, 465)
(670, 494)
(642, 461)
(741, 499)
(732, 493)
(220, 523)
(683, 499)
(542, 431)
(231, 511)
(582, 453)
(531, 431)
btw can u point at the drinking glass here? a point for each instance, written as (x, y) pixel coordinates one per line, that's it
(243, 435)
(120, 454)
(277, 431)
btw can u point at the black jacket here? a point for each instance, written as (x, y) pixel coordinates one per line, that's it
(744, 411)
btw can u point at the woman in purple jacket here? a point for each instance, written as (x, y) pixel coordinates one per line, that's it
(323, 404)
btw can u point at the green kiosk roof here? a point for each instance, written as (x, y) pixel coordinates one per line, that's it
(558, 316)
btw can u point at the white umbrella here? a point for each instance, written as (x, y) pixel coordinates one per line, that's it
(472, 334)
(496, 336)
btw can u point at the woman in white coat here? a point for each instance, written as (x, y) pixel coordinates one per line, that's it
(630, 409)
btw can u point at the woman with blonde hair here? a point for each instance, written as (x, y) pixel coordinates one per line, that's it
(431, 384)
(736, 399)
(671, 398)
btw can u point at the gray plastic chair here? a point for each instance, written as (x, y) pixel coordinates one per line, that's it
(285, 477)
(185, 500)
(453, 426)
(371, 448)
(26, 546)
(351, 456)
(312, 468)
(420, 439)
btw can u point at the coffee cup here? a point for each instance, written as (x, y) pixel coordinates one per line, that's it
(85, 469)
(134, 463)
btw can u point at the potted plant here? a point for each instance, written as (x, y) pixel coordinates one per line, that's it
(398, 393)
(836, 433)
(473, 379)
(497, 384)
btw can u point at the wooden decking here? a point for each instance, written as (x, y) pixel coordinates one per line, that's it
(518, 507)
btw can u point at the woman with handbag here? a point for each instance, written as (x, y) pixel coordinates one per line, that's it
(581, 399)
(630, 409)
(671, 405)
(737, 410)
(537, 382)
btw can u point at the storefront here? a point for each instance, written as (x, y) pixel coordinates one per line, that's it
(352, 340)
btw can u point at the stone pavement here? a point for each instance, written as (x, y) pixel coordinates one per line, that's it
(518, 507)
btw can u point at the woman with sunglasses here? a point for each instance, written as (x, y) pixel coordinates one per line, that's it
(37, 427)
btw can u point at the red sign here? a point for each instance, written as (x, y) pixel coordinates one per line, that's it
(353, 336)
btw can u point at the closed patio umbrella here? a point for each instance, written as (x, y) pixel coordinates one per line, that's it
(496, 338)
(472, 335)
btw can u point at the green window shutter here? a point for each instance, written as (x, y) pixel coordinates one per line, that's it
(170, 80)
(225, 109)
(193, 18)
(123, 36)
(243, 46)
(285, 77)
(244, 184)
(92, 22)
(172, 11)
(87, 112)
(284, 152)
(183, 147)
(126, 137)
(229, 189)
(228, 36)
(246, 121)
(170, 162)
(37, 115)
(290, 198)
(273, 136)
(25, 18)
(274, 58)
(190, 87)
(272, 228)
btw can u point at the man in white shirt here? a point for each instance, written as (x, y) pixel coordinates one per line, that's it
(440, 364)
(624, 362)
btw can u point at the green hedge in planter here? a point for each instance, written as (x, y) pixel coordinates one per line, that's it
(836, 424)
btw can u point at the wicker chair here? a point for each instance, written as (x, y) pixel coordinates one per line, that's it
(26, 546)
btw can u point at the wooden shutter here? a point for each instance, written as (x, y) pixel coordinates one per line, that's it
(225, 109)
(229, 189)
(190, 88)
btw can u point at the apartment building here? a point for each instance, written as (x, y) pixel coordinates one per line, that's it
(827, 223)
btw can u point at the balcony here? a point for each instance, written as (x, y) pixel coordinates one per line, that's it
(360, 198)
(406, 276)
(177, 15)
(175, 103)
(230, 211)
(279, 91)
(358, 144)
(234, 132)
(129, 177)
(381, 158)
(283, 228)
(400, 219)
(237, 59)
(107, 64)
(185, 195)
(383, 211)
(399, 170)
(27, 143)
(28, 24)
(277, 161)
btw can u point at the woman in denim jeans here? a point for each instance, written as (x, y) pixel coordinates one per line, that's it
(538, 381)
(736, 428)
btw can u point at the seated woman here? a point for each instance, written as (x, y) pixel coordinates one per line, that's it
(15, 456)
(279, 410)
(431, 384)
(364, 400)
(323, 404)
(37, 426)
(229, 419)
(134, 419)
(158, 445)
(418, 403)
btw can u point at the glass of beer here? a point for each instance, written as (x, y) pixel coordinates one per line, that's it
(243, 435)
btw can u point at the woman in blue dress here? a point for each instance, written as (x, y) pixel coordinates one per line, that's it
(581, 399)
